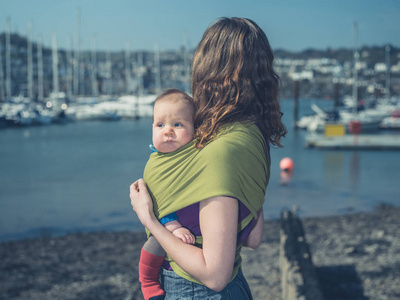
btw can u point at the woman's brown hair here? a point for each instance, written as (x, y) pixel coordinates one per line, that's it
(234, 80)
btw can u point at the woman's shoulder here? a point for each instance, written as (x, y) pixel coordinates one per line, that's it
(238, 133)
(235, 140)
(238, 126)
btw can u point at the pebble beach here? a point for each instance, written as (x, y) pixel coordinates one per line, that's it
(356, 256)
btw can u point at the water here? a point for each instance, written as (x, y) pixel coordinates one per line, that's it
(60, 179)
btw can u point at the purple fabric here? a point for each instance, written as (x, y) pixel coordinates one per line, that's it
(189, 218)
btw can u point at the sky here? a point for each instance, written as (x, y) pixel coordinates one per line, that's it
(115, 25)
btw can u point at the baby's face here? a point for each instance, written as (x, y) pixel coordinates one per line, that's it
(172, 126)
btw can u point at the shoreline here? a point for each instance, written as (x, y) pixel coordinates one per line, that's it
(58, 232)
(357, 256)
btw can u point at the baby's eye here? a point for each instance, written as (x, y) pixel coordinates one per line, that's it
(178, 124)
(160, 125)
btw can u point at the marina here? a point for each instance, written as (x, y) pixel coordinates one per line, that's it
(23, 112)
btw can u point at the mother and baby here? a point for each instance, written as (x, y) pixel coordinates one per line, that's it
(204, 185)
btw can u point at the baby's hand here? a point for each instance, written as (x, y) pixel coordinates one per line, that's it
(185, 235)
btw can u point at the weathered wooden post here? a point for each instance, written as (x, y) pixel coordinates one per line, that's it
(298, 277)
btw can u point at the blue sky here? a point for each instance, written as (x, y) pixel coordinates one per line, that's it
(290, 24)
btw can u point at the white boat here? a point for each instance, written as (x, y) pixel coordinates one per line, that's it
(91, 113)
(369, 120)
(391, 122)
(22, 118)
(129, 107)
(16, 114)
(43, 116)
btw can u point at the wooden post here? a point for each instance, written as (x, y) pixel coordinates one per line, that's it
(296, 102)
(299, 279)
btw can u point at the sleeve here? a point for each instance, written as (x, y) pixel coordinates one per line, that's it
(168, 218)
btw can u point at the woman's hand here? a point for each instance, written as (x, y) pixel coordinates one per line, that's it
(141, 202)
(212, 264)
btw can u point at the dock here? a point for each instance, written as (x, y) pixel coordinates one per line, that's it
(354, 142)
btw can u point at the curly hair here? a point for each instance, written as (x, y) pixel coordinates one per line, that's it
(233, 80)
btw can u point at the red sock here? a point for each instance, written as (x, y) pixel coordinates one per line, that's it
(149, 272)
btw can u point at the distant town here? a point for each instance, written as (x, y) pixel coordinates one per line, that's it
(30, 70)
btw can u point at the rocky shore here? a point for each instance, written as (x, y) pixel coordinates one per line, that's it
(356, 256)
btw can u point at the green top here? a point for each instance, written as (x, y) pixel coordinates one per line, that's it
(234, 164)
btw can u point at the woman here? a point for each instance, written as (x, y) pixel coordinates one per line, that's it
(225, 170)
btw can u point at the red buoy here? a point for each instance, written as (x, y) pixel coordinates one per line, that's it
(286, 164)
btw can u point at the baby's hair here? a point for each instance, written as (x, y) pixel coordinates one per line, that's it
(175, 95)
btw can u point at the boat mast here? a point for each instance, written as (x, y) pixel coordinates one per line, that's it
(109, 71)
(355, 71)
(30, 64)
(76, 56)
(157, 69)
(387, 56)
(40, 69)
(55, 65)
(2, 84)
(140, 91)
(8, 60)
(127, 69)
(141, 70)
(186, 65)
(94, 68)
(69, 69)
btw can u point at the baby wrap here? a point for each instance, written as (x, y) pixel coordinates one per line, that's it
(234, 164)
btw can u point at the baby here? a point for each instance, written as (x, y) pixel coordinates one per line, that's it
(172, 128)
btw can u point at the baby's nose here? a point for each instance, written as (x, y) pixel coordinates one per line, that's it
(169, 131)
